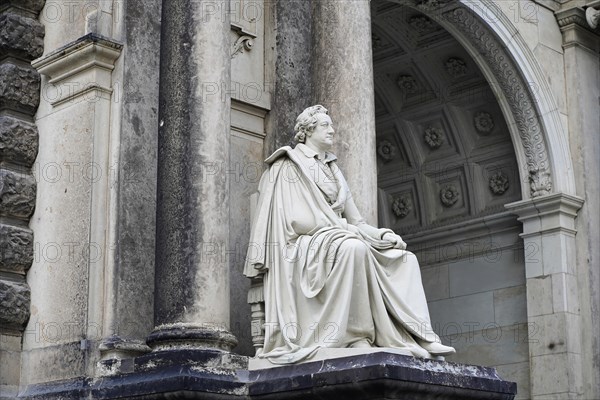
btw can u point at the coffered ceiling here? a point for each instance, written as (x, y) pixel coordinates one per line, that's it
(444, 150)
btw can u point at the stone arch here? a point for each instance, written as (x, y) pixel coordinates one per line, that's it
(549, 205)
(520, 87)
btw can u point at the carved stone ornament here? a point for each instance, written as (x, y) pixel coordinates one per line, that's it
(516, 91)
(592, 17)
(243, 43)
(386, 150)
(434, 137)
(432, 4)
(499, 183)
(421, 24)
(540, 182)
(449, 195)
(484, 123)
(456, 67)
(408, 84)
(401, 206)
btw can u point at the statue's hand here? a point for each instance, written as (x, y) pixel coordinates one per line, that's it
(395, 239)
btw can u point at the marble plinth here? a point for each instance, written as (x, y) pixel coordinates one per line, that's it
(221, 375)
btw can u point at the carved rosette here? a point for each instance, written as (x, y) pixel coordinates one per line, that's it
(449, 195)
(499, 183)
(421, 24)
(484, 123)
(519, 98)
(386, 150)
(408, 84)
(434, 137)
(401, 206)
(456, 67)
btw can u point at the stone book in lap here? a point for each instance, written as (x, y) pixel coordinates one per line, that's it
(330, 279)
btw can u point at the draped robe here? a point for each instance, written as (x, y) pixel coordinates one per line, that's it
(329, 278)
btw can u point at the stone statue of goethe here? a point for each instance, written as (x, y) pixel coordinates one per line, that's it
(330, 279)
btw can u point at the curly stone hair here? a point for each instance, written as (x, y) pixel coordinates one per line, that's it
(306, 122)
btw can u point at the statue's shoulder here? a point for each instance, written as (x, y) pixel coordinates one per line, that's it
(282, 152)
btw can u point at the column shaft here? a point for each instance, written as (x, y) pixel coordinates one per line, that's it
(343, 83)
(192, 281)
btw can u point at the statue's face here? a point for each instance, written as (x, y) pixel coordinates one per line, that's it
(322, 136)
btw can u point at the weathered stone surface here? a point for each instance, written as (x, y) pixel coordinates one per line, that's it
(192, 209)
(184, 374)
(19, 88)
(21, 36)
(337, 64)
(34, 6)
(16, 248)
(14, 304)
(17, 194)
(137, 171)
(18, 141)
(293, 71)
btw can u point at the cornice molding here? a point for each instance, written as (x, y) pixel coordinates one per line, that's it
(576, 31)
(555, 212)
(80, 67)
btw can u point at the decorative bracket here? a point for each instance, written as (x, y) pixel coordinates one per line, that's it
(244, 43)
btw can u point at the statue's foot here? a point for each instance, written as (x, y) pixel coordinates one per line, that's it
(361, 344)
(437, 349)
(419, 352)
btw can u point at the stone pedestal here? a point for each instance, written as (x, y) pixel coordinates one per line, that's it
(192, 274)
(375, 376)
(343, 83)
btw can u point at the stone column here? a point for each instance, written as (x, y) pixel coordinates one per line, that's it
(581, 45)
(192, 279)
(343, 83)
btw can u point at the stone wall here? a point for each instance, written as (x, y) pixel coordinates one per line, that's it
(21, 40)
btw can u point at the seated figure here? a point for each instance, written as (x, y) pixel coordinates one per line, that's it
(330, 279)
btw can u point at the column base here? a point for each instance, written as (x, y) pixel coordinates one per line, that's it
(116, 347)
(190, 336)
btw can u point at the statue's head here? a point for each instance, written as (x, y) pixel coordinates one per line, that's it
(306, 122)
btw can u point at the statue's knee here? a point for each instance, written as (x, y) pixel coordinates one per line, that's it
(355, 247)
(410, 258)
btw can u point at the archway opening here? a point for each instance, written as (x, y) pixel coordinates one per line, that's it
(446, 168)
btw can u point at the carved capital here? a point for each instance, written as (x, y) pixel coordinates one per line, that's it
(79, 68)
(576, 29)
(551, 213)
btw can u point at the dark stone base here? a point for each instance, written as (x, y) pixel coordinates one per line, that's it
(195, 374)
